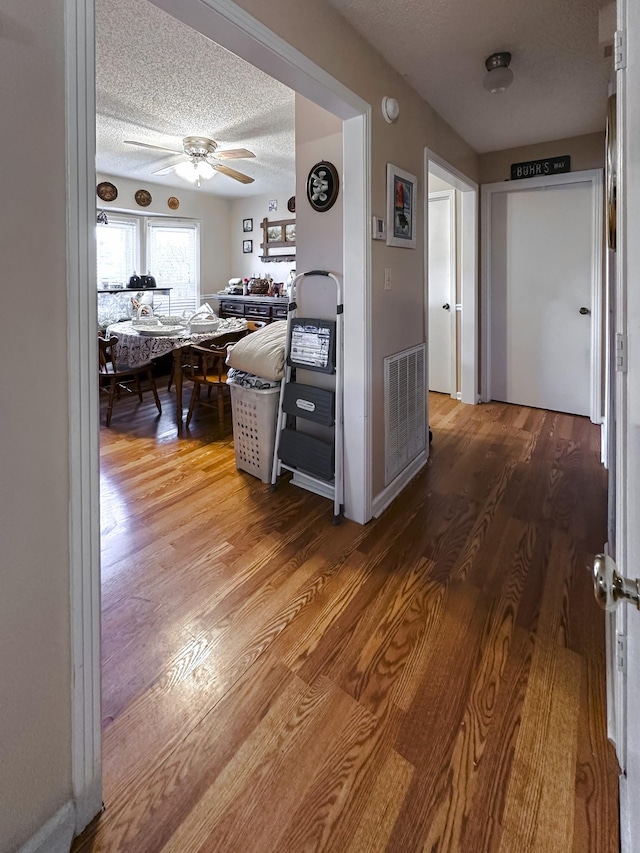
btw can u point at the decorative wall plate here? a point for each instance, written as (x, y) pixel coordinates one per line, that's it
(322, 186)
(291, 204)
(143, 197)
(173, 202)
(107, 191)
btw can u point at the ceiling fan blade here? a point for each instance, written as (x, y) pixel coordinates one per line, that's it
(166, 170)
(155, 147)
(231, 173)
(234, 154)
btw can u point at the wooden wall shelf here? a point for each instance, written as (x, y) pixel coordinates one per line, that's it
(267, 259)
(278, 234)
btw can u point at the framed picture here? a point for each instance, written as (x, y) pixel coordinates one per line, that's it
(322, 186)
(247, 246)
(247, 224)
(274, 234)
(290, 233)
(401, 208)
(273, 204)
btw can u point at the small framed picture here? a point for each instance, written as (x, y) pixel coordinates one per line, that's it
(273, 204)
(274, 234)
(247, 246)
(247, 225)
(401, 208)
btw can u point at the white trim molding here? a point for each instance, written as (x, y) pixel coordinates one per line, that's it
(384, 498)
(84, 527)
(56, 835)
(594, 178)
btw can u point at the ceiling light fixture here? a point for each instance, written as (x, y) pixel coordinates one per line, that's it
(499, 76)
(197, 168)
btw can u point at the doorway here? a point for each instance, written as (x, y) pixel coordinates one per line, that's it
(443, 334)
(455, 328)
(237, 31)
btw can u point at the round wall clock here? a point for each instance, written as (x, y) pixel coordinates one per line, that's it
(143, 197)
(322, 186)
(173, 202)
(291, 204)
(107, 191)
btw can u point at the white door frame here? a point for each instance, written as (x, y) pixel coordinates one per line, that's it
(489, 191)
(236, 30)
(439, 167)
(453, 307)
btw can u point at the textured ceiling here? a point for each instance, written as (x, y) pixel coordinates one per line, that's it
(439, 46)
(158, 81)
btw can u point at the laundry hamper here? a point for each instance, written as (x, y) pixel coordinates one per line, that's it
(254, 428)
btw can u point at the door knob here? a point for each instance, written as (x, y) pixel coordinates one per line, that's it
(584, 310)
(609, 587)
(446, 306)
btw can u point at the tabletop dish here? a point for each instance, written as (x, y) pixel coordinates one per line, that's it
(200, 326)
(156, 331)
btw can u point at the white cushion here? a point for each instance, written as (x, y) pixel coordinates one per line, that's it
(261, 352)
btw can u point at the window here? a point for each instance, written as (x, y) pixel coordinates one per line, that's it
(173, 253)
(118, 249)
(168, 248)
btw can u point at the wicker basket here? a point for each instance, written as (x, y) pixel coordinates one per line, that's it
(254, 428)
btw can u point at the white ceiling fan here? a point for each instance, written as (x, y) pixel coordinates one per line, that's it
(201, 161)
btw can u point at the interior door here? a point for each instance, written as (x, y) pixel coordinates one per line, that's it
(541, 296)
(442, 291)
(628, 412)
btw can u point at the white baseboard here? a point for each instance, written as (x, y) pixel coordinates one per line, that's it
(56, 835)
(88, 803)
(625, 821)
(391, 492)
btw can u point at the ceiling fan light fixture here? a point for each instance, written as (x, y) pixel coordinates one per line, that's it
(499, 76)
(206, 170)
(187, 170)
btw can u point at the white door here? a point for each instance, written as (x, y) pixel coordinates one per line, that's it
(442, 291)
(628, 419)
(541, 280)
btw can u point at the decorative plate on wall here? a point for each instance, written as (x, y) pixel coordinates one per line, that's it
(107, 191)
(143, 197)
(173, 202)
(291, 204)
(322, 186)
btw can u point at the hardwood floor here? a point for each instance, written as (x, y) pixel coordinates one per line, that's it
(431, 681)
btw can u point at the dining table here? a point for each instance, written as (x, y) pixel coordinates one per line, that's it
(140, 344)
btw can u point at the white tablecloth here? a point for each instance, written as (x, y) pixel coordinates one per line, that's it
(134, 349)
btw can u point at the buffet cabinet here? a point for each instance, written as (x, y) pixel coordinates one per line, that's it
(267, 308)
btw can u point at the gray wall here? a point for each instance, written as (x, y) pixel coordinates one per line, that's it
(35, 682)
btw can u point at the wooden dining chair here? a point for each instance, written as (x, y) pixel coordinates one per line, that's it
(206, 366)
(114, 378)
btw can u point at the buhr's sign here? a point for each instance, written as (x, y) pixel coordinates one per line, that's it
(535, 168)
